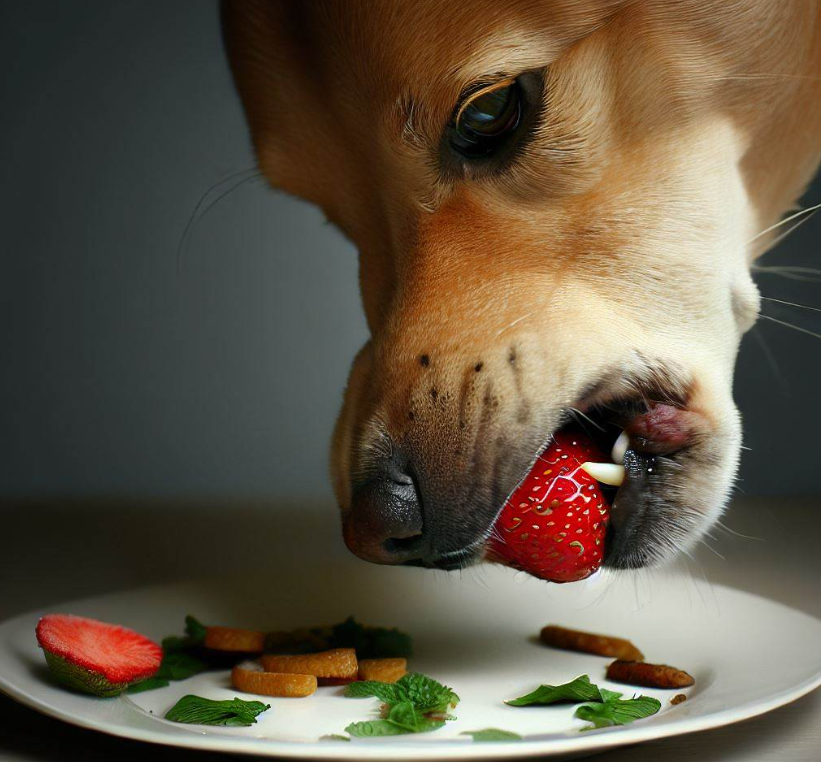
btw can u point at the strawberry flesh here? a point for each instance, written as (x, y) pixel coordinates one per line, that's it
(553, 525)
(94, 656)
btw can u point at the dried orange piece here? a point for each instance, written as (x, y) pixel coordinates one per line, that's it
(339, 663)
(588, 642)
(230, 639)
(249, 678)
(382, 670)
(648, 675)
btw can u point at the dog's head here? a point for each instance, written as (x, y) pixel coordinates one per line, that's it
(554, 204)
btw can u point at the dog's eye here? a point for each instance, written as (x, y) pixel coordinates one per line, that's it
(486, 119)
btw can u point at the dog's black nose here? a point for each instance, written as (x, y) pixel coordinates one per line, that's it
(384, 524)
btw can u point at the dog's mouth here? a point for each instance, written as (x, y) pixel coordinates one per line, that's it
(650, 440)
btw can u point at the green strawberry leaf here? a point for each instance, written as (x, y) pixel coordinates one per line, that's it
(196, 710)
(617, 711)
(492, 734)
(574, 692)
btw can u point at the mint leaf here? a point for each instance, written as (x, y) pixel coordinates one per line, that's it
(194, 637)
(427, 694)
(147, 685)
(370, 642)
(388, 693)
(407, 716)
(179, 665)
(195, 630)
(423, 692)
(492, 734)
(414, 704)
(373, 728)
(574, 692)
(402, 718)
(195, 710)
(334, 737)
(617, 711)
(179, 661)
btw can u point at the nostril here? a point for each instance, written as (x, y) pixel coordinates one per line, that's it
(404, 546)
(385, 523)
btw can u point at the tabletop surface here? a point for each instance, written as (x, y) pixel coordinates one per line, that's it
(765, 545)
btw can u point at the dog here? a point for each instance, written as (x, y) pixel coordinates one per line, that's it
(556, 205)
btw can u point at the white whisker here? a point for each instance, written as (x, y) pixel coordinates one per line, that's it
(794, 327)
(515, 322)
(792, 304)
(791, 272)
(800, 213)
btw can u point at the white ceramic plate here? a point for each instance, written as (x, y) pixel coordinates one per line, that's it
(475, 632)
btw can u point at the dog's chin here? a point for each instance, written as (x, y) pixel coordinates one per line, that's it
(678, 471)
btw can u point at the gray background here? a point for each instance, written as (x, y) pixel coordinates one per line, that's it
(121, 376)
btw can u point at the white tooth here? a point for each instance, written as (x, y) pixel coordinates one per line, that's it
(607, 473)
(619, 448)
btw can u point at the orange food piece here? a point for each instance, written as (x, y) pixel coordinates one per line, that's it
(272, 683)
(648, 675)
(231, 639)
(679, 698)
(382, 670)
(339, 663)
(588, 642)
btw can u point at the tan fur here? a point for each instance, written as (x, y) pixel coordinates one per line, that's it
(617, 245)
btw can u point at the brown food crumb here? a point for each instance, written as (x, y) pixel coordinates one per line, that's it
(588, 642)
(648, 675)
(679, 698)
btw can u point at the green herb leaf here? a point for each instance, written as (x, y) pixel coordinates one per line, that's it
(423, 692)
(147, 685)
(195, 629)
(194, 637)
(407, 716)
(414, 704)
(334, 737)
(179, 665)
(373, 728)
(195, 710)
(401, 718)
(492, 734)
(574, 692)
(388, 693)
(617, 711)
(427, 694)
(370, 642)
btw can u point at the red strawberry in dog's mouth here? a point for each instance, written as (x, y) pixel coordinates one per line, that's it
(554, 523)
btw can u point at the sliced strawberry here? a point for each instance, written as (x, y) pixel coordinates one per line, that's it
(95, 657)
(554, 523)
